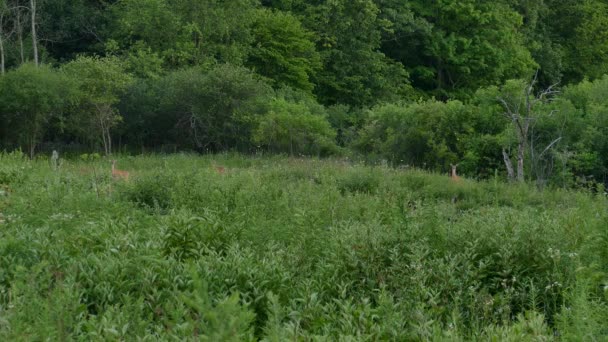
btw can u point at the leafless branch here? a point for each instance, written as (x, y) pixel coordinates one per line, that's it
(549, 146)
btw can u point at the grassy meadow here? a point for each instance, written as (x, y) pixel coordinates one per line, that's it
(277, 249)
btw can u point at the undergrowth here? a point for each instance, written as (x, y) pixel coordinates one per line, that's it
(287, 249)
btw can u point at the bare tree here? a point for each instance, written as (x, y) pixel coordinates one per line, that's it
(3, 10)
(522, 113)
(508, 164)
(7, 9)
(19, 28)
(5, 33)
(34, 37)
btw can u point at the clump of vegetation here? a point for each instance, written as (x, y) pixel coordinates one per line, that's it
(359, 181)
(152, 191)
(188, 236)
(284, 248)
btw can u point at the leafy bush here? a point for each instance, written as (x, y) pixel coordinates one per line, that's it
(293, 128)
(150, 191)
(423, 134)
(217, 109)
(10, 175)
(361, 181)
(187, 237)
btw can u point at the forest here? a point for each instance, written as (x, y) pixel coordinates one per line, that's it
(515, 88)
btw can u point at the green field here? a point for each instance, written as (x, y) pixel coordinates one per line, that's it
(293, 249)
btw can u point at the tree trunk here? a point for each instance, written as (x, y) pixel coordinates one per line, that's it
(34, 38)
(521, 150)
(102, 129)
(1, 52)
(20, 36)
(509, 165)
(32, 145)
(104, 117)
(109, 140)
(2, 11)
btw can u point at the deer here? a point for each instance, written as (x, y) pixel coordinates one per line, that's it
(454, 176)
(119, 174)
(219, 169)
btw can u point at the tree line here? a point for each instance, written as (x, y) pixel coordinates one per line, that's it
(508, 87)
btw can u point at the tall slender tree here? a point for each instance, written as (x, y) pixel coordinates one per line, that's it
(34, 34)
(3, 12)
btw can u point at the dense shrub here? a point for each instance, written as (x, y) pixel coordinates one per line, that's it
(424, 134)
(293, 128)
(150, 191)
(362, 181)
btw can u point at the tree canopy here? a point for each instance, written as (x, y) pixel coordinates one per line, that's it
(413, 82)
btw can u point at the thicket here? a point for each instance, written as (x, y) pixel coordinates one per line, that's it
(293, 249)
(406, 82)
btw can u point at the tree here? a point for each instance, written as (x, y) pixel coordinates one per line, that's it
(355, 71)
(588, 154)
(581, 28)
(214, 30)
(545, 46)
(68, 28)
(216, 110)
(521, 107)
(31, 97)
(3, 12)
(295, 129)
(453, 47)
(34, 35)
(283, 50)
(19, 25)
(101, 82)
(426, 134)
(152, 24)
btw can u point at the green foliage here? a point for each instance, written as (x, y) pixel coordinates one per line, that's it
(152, 24)
(227, 320)
(295, 129)
(183, 75)
(142, 62)
(283, 50)
(360, 181)
(218, 109)
(13, 169)
(583, 25)
(355, 72)
(31, 98)
(150, 192)
(451, 46)
(214, 30)
(101, 82)
(427, 134)
(279, 248)
(189, 237)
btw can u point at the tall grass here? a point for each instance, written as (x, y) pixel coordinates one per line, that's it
(277, 248)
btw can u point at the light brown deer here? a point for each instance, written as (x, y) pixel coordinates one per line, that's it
(454, 176)
(219, 169)
(119, 174)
